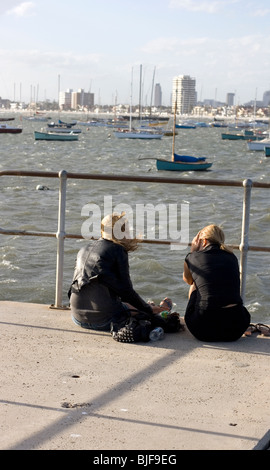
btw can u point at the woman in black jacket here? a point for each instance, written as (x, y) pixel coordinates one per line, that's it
(102, 291)
(215, 310)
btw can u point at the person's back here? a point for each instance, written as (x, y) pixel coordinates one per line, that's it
(216, 275)
(215, 310)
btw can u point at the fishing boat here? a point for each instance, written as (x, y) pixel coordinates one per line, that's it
(267, 151)
(55, 136)
(5, 129)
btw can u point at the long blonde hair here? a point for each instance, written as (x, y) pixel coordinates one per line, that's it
(115, 227)
(214, 234)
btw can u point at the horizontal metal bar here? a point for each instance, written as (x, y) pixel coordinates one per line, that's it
(139, 179)
(80, 237)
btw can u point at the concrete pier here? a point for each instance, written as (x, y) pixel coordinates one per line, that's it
(65, 388)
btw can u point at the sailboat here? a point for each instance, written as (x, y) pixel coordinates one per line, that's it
(131, 133)
(182, 162)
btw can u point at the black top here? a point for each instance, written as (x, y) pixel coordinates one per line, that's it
(216, 276)
(106, 262)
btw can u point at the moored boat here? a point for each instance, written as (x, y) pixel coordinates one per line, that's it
(137, 134)
(267, 151)
(182, 166)
(5, 129)
(259, 145)
(185, 125)
(61, 129)
(243, 135)
(55, 136)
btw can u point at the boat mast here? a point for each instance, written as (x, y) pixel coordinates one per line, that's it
(153, 81)
(130, 114)
(140, 94)
(174, 122)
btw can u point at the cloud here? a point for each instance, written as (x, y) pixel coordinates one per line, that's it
(39, 59)
(209, 6)
(261, 12)
(163, 44)
(22, 9)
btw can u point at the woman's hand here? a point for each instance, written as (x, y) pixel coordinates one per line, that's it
(157, 309)
(196, 243)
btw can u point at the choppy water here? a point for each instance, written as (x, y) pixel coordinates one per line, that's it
(27, 264)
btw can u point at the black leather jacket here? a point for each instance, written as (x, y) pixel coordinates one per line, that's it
(107, 262)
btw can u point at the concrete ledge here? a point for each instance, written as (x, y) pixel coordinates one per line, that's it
(65, 388)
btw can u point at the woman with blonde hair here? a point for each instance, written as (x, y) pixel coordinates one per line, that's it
(215, 310)
(102, 291)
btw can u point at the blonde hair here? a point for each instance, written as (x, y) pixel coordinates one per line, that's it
(214, 234)
(115, 227)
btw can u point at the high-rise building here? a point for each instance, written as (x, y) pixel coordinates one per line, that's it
(65, 99)
(266, 98)
(158, 96)
(82, 99)
(230, 99)
(184, 94)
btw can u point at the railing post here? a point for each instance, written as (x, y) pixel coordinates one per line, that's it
(60, 239)
(244, 236)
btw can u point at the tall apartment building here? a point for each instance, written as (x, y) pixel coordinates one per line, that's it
(65, 99)
(230, 99)
(82, 99)
(75, 99)
(158, 96)
(266, 98)
(184, 94)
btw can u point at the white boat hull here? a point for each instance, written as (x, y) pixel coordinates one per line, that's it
(259, 145)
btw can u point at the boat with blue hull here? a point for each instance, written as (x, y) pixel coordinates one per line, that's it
(182, 162)
(182, 165)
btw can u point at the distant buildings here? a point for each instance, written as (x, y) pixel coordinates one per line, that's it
(158, 96)
(184, 94)
(266, 98)
(75, 99)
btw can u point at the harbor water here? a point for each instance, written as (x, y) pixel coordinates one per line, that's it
(28, 264)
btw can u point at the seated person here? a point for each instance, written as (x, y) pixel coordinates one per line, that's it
(215, 310)
(102, 291)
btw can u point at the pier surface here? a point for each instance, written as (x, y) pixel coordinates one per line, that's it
(65, 388)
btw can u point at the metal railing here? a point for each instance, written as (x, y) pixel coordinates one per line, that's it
(61, 235)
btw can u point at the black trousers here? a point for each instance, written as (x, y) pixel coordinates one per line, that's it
(216, 324)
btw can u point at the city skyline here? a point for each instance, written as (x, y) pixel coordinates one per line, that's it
(99, 46)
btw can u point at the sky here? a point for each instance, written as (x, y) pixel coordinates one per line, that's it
(99, 46)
